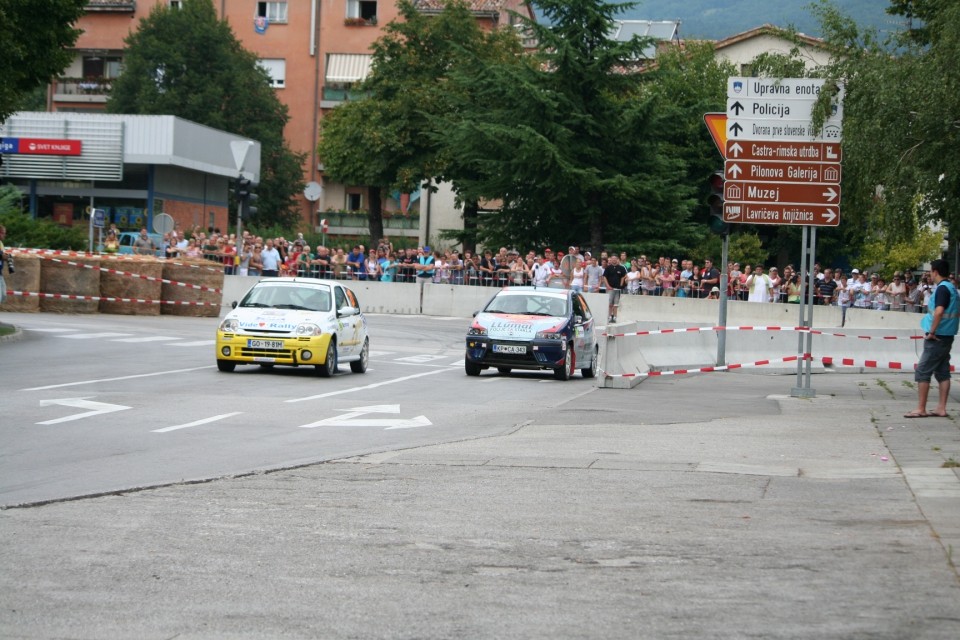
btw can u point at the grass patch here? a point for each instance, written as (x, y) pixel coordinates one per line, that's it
(950, 464)
(6, 330)
(883, 385)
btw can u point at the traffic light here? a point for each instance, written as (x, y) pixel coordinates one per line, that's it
(246, 198)
(715, 202)
(247, 210)
(243, 188)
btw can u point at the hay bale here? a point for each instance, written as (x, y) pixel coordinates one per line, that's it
(57, 276)
(119, 285)
(27, 278)
(198, 272)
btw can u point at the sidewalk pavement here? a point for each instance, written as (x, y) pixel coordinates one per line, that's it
(702, 506)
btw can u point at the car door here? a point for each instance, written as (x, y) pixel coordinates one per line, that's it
(350, 327)
(583, 336)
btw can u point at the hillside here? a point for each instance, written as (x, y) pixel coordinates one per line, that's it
(718, 19)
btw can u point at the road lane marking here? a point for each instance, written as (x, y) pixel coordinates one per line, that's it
(146, 339)
(139, 375)
(197, 343)
(353, 418)
(93, 408)
(94, 336)
(369, 386)
(51, 329)
(197, 423)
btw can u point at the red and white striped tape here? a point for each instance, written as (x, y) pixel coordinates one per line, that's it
(827, 361)
(718, 328)
(678, 372)
(67, 296)
(137, 275)
(107, 256)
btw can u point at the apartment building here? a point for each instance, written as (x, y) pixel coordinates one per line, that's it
(315, 52)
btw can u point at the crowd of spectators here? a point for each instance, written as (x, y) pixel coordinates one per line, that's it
(663, 276)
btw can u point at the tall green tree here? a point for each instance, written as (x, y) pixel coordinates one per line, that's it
(35, 38)
(564, 143)
(188, 63)
(380, 142)
(901, 119)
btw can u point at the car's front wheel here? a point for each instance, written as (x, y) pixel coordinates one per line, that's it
(472, 368)
(226, 366)
(360, 366)
(591, 371)
(329, 366)
(565, 372)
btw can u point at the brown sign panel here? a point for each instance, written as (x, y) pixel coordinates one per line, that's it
(783, 151)
(774, 192)
(799, 214)
(811, 172)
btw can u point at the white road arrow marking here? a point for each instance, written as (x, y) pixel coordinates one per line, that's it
(830, 215)
(353, 419)
(95, 408)
(829, 194)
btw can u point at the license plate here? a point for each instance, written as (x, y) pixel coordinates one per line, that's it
(265, 344)
(509, 348)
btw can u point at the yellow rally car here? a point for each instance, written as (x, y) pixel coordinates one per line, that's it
(295, 321)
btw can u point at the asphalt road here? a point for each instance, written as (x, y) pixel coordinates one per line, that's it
(698, 506)
(106, 403)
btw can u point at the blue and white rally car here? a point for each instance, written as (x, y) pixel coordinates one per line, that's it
(295, 321)
(533, 328)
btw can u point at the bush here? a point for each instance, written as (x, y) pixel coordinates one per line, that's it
(24, 231)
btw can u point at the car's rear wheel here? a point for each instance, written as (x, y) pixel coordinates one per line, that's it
(226, 366)
(504, 370)
(360, 366)
(472, 368)
(329, 366)
(591, 371)
(565, 372)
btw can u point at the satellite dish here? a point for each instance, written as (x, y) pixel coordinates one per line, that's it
(312, 191)
(163, 223)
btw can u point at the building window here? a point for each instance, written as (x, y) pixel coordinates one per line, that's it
(354, 201)
(95, 66)
(277, 70)
(274, 12)
(363, 9)
(175, 4)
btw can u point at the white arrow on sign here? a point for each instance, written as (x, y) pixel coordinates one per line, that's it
(736, 149)
(830, 215)
(94, 408)
(735, 171)
(829, 194)
(353, 419)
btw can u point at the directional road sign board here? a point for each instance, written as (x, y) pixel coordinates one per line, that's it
(781, 130)
(799, 151)
(782, 171)
(781, 214)
(781, 192)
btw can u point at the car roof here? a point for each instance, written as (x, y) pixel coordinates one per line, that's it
(556, 293)
(300, 281)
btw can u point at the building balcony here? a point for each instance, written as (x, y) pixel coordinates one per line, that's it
(338, 95)
(82, 90)
(120, 6)
(357, 220)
